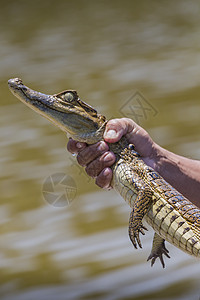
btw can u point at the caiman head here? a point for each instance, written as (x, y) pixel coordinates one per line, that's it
(64, 110)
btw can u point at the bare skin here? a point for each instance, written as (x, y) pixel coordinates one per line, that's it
(181, 172)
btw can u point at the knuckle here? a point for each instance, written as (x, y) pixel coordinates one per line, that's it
(91, 153)
(71, 146)
(113, 122)
(80, 160)
(96, 166)
(103, 180)
(85, 156)
(91, 170)
(99, 182)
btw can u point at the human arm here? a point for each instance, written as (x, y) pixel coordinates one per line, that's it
(182, 173)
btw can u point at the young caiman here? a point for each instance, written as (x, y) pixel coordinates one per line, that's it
(173, 217)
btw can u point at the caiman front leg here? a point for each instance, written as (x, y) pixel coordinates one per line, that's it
(158, 249)
(140, 208)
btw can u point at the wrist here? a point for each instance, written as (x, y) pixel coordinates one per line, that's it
(169, 166)
(154, 157)
(162, 159)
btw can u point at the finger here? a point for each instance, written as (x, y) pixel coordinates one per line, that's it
(75, 146)
(91, 152)
(103, 180)
(116, 128)
(94, 168)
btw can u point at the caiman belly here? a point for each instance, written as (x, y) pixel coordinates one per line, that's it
(172, 216)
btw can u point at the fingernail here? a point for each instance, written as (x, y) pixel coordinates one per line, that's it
(111, 134)
(108, 157)
(79, 145)
(102, 146)
(106, 172)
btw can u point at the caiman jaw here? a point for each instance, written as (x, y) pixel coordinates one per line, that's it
(65, 110)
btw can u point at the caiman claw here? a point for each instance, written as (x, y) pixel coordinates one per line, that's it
(158, 250)
(134, 232)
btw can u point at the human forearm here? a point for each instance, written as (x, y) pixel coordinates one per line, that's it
(182, 173)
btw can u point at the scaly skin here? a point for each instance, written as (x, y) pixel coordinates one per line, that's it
(173, 217)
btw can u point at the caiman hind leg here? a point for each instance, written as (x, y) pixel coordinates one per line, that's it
(140, 208)
(158, 249)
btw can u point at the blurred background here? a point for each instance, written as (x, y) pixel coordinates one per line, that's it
(138, 59)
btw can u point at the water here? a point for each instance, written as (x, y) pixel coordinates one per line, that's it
(109, 52)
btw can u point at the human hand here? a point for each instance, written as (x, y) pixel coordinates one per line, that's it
(97, 159)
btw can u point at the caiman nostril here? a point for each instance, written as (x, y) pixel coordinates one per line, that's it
(18, 80)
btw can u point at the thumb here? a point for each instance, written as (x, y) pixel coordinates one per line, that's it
(115, 129)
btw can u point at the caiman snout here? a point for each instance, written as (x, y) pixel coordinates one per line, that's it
(65, 110)
(14, 81)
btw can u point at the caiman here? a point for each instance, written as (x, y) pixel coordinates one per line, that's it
(173, 217)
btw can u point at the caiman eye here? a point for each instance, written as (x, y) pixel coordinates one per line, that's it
(69, 97)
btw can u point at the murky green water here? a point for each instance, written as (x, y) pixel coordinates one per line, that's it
(135, 58)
